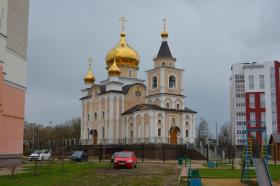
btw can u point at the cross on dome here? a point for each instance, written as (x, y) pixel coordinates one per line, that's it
(122, 20)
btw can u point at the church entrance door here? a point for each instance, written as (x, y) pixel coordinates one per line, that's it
(173, 135)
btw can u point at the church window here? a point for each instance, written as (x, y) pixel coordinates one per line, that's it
(172, 81)
(129, 72)
(178, 106)
(103, 114)
(131, 134)
(103, 132)
(187, 133)
(95, 116)
(167, 105)
(187, 122)
(154, 82)
(159, 132)
(88, 117)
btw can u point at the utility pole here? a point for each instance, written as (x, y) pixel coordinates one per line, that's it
(33, 136)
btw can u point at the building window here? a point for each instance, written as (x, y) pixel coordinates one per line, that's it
(187, 133)
(187, 123)
(261, 81)
(88, 132)
(131, 134)
(88, 117)
(103, 132)
(154, 82)
(95, 116)
(262, 101)
(159, 132)
(167, 105)
(103, 114)
(172, 81)
(252, 100)
(263, 119)
(178, 106)
(129, 73)
(251, 82)
(253, 119)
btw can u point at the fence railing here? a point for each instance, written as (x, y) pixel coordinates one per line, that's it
(132, 141)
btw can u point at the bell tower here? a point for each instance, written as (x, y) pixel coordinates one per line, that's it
(164, 86)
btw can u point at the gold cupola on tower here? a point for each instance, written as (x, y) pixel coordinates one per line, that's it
(89, 78)
(114, 69)
(164, 33)
(122, 53)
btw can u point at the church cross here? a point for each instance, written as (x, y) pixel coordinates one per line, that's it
(122, 20)
(164, 24)
(89, 62)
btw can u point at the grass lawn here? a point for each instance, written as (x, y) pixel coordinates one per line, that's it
(93, 173)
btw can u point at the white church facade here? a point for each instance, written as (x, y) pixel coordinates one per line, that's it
(125, 109)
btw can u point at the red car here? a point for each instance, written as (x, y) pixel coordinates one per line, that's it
(125, 159)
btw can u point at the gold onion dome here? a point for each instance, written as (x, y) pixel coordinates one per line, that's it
(89, 78)
(124, 54)
(114, 69)
(164, 34)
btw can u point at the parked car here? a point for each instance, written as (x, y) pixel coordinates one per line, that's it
(79, 156)
(114, 156)
(40, 155)
(125, 159)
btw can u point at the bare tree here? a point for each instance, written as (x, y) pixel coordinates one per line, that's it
(202, 132)
(224, 136)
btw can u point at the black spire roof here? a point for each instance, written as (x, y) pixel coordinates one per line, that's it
(164, 50)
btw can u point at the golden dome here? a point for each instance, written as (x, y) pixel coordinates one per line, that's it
(89, 78)
(123, 54)
(164, 34)
(114, 69)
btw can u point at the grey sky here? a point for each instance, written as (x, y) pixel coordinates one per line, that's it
(206, 37)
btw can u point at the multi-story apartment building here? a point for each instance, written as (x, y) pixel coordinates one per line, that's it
(13, 52)
(254, 99)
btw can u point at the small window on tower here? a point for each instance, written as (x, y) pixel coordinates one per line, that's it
(187, 133)
(129, 73)
(154, 82)
(178, 106)
(172, 81)
(103, 114)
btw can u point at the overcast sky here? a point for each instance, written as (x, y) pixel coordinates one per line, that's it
(206, 37)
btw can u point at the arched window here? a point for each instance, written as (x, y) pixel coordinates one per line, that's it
(187, 133)
(172, 81)
(159, 132)
(167, 105)
(103, 132)
(129, 73)
(154, 82)
(103, 114)
(95, 116)
(88, 117)
(178, 106)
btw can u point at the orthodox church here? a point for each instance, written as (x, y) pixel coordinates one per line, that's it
(125, 109)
